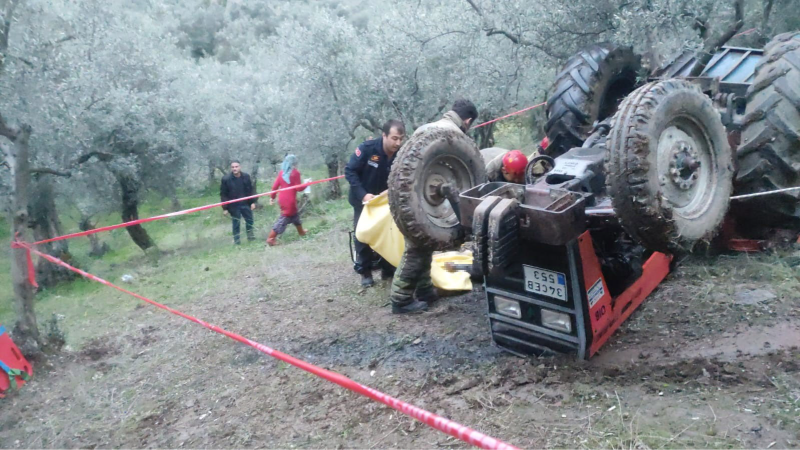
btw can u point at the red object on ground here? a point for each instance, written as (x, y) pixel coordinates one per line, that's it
(11, 358)
(440, 423)
(287, 198)
(175, 214)
(514, 162)
(732, 241)
(745, 245)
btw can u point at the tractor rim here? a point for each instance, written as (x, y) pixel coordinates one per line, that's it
(686, 167)
(444, 169)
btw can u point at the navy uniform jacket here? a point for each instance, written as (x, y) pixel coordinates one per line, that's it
(368, 171)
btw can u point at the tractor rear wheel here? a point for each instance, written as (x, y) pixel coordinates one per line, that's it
(589, 88)
(769, 156)
(427, 161)
(669, 166)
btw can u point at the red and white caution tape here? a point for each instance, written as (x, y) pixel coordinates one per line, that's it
(510, 115)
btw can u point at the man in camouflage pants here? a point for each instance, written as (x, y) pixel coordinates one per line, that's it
(412, 288)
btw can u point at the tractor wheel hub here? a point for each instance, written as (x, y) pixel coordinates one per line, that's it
(684, 165)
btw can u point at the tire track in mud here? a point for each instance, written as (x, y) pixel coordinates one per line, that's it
(743, 341)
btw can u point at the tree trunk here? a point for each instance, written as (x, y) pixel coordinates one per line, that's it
(254, 174)
(766, 29)
(212, 168)
(26, 329)
(130, 211)
(98, 248)
(485, 136)
(711, 45)
(176, 203)
(334, 190)
(46, 224)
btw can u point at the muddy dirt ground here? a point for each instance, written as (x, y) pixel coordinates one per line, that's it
(710, 360)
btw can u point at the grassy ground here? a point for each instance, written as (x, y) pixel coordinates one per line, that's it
(188, 243)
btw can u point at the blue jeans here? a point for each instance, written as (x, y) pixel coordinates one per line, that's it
(239, 211)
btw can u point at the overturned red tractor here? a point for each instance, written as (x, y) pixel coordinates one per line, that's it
(636, 174)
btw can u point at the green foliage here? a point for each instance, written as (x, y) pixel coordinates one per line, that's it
(164, 91)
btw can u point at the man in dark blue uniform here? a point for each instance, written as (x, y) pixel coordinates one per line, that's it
(368, 175)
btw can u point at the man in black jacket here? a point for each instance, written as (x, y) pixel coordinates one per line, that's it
(368, 175)
(237, 184)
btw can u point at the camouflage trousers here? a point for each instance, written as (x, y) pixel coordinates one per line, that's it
(412, 275)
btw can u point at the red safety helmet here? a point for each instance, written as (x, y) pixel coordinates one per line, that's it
(514, 162)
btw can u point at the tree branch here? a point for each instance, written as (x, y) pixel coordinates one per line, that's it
(59, 41)
(712, 46)
(5, 26)
(425, 41)
(439, 109)
(23, 60)
(491, 31)
(475, 7)
(511, 37)
(93, 102)
(563, 30)
(102, 156)
(47, 171)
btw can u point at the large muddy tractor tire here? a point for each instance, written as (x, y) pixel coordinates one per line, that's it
(435, 157)
(670, 167)
(769, 154)
(589, 88)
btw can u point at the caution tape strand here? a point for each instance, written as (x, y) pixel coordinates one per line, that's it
(510, 115)
(442, 424)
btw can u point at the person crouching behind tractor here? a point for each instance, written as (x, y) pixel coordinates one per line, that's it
(509, 165)
(287, 200)
(504, 165)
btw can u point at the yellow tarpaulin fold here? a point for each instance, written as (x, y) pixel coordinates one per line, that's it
(377, 229)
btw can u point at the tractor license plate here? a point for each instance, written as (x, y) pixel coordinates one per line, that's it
(545, 282)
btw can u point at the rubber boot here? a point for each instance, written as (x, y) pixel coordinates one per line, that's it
(272, 239)
(386, 273)
(428, 296)
(366, 279)
(414, 307)
(300, 230)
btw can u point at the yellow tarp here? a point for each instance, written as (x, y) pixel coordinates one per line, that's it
(377, 229)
